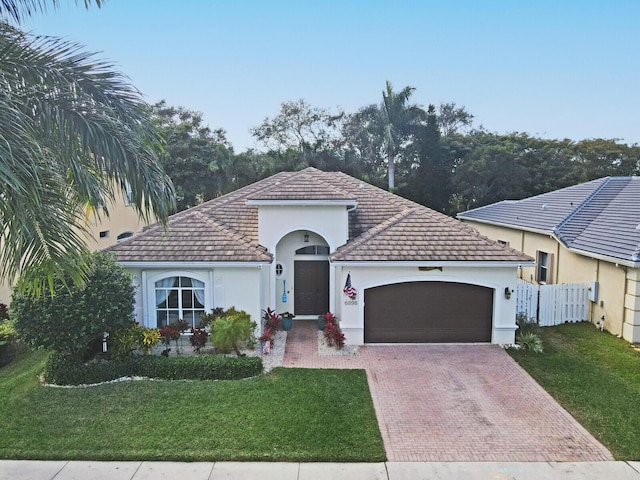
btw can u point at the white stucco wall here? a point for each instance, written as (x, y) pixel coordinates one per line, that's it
(328, 221)
(239, 287)
(351, 312)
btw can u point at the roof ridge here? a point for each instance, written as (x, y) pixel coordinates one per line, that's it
(558, 229)
(309, 172)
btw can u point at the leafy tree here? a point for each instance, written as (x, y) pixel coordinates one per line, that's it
(431, 181)
(452, 119)
(76, 315)
(301, 136)
(74, 132)
(597, 158)
(198, 160)
(489, 173)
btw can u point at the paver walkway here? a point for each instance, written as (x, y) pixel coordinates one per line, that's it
(452, 403)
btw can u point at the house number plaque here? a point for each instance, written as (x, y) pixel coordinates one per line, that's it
(350, 302)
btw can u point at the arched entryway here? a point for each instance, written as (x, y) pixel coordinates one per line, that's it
(302, 274)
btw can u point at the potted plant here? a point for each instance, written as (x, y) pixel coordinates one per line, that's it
(287, 320)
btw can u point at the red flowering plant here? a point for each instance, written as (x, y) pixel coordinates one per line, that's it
(270, 325)
(198, 338)
(332, 332)
(168, 333)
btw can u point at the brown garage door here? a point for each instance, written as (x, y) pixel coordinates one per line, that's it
(424, 312)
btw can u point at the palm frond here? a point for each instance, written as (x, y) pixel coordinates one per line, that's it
(72, 130)
(18, 10)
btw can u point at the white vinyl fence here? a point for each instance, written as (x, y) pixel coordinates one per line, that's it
(527, 299)
(567, 302)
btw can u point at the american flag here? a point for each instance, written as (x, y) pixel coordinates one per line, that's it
(348, 290)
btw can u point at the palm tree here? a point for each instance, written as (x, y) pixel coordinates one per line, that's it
(380, 133)
(72, 133)
(399, 122)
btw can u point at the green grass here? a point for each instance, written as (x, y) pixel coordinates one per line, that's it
(596, 377)
(286, 415)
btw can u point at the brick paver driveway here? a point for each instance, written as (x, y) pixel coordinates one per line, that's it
(455, 403)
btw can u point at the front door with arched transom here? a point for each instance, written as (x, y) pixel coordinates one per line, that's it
(311, 292)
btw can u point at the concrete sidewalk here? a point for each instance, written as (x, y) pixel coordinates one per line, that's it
(77, 470)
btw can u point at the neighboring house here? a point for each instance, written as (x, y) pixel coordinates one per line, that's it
(294, 242)
(581, 234)
(123, 222)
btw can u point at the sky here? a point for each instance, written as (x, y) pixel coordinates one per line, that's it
(551, 68)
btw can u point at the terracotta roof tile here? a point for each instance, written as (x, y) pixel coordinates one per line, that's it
(419, 234)
(383, 226)
(303, 186)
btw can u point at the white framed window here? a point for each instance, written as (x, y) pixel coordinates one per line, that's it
(280, 270)
(128, 197)
(179, 297)
(313, 250)
(544, 263)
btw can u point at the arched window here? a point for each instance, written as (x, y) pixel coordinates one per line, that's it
(313, 250)
(179, 298)
(124, 235)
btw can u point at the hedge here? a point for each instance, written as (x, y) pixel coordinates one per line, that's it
(64, 370)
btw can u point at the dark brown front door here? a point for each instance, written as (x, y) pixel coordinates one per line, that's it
(311, 287)
(426, 312)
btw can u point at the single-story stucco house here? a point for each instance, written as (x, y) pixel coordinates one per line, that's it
(309, 242)
(587, 233)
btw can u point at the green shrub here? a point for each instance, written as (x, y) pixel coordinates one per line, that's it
(529, 341)
(63, 369)
(76, 315)
(8, 345)
(208, 319)
(7, 331)
(526, 324)
(124, 341)
(232, 330)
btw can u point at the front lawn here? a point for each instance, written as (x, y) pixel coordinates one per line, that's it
(286, 415)
(596, 377)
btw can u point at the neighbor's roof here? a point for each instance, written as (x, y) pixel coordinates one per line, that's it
(382, 226)
(601, 217)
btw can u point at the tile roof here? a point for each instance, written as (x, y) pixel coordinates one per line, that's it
(383, 227)
(416, 234)
(303, 186)
(600, 217)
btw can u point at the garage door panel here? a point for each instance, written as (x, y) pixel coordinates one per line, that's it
(428, 312)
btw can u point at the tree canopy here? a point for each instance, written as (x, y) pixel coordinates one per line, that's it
(439, 159)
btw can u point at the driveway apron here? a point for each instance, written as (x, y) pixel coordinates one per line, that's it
(452, 403)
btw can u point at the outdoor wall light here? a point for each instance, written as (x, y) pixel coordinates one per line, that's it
(507, 293)
(306, 237)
